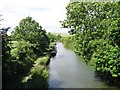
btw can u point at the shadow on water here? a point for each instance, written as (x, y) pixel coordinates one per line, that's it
(111, 82)
(67, 70)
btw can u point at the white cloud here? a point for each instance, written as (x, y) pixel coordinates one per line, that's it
(47, 12)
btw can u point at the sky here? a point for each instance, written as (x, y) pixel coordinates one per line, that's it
(47, 13)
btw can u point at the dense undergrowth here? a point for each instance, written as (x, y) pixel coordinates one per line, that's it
(38, 75)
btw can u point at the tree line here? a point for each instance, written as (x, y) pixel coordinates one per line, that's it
(25, 52)
(95, 29)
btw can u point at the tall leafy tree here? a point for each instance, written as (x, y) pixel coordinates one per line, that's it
(27, 42)
(96, 30)
(30, 30)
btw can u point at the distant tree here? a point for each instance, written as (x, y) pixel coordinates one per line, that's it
(58, 37)
(51, 37)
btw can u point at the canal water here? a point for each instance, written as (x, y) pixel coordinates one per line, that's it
(67, 70)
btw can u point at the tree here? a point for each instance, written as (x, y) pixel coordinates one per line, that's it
(30, 30)
(96, 30)
(5, 53)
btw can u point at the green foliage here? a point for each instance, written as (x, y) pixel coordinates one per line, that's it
(42, 60)
(19, 53)
(95, 27)
(38, 75)
(68, 42)
(5, 53)
(54, 37)
(51, 37)
(22, 54)
(58, 37)
(29, 30)
(40, 67)
(106, 59)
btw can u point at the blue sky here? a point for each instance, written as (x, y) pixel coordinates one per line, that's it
(47, 12)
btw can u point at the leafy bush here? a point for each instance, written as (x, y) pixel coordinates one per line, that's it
(54, 37)
(95, 27)
(68, 42)
(106, 59)
(38, 75)
(42, 60)
(22, 54)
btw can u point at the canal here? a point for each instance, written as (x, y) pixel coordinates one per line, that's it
(67, 70)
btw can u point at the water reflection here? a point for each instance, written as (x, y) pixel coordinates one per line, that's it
(67, 70)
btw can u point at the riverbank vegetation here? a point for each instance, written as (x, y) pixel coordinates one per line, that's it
(54, 37)
(95, 27)
(24, 56)
(68, 42)
(62, 34)
(38, 75)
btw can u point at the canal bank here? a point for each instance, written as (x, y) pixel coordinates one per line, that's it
(67, 70)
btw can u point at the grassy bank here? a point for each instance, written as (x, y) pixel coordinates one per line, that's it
(38, 75)
(68, 42)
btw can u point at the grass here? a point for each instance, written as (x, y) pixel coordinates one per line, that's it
(38, 75)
